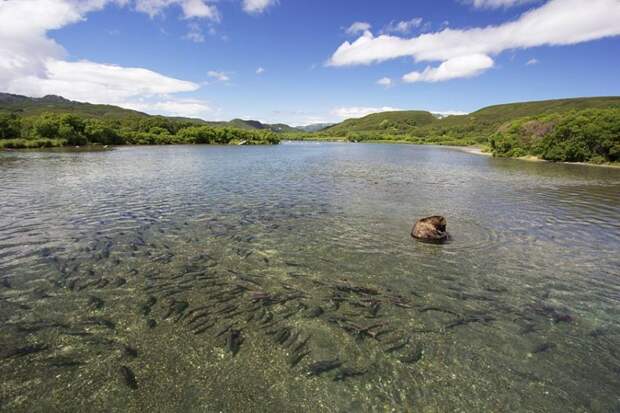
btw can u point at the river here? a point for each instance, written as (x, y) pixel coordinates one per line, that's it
(284, 278)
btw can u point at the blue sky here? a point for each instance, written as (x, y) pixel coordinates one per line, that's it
(302, 61)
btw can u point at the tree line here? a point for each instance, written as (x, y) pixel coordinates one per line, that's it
(60, 129)
(591, 135)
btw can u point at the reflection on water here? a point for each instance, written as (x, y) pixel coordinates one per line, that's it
(284, 279)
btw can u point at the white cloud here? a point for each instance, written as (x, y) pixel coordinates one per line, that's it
(257, 6)
(358, 27)
(403, 27)
(198, 8)
(219, 76)
(294, 118)
(496, 4)
(260, 71)
(532, 62)
(458, 67)
(445, 113)
(359, 111)
(32, 63)
(195, 33)
(97, 83)
(190, 8)
(557, 22)
(385, 82)
(173, 107)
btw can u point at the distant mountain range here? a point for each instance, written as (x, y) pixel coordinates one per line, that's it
(398, 122)
(479, 122)
(315, 127)
(28, 106)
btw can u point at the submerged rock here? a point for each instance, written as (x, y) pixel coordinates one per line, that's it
(431, 229)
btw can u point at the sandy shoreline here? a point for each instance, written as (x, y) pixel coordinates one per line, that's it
(472, 149)
(530, 158)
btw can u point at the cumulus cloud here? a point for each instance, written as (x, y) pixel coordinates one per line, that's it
(219, 76)
(404, 26)
(173, 107)
(556, 23)
(496, 4)
(458, 67)
(32, 63)
(446, 113)
(358, 27)
(198, 8)
(359, 111)
(385, 82)
(260, 71)
(257, 6)
(97, 82)
(190, 8)
(195, 33)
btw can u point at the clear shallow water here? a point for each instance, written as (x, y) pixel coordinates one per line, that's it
(201, 278)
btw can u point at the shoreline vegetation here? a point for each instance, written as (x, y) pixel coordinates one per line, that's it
(50, 130)
(52, 121)
(579, 130)
(566, 134)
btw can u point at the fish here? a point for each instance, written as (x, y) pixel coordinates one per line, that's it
(233, 341)
(95, 303)
(413, 356)
(397, 346)
(470, 319)
(320, 367)
(203, 327)
(26, 350)
(130, 351)
(295, 358)
(542, 348)
(129, 378)
(64, 362)
(119, 282)
(347, 372)
(223, 330)
(101, 322)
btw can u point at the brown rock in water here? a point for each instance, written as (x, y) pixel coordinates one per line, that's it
(431, 229)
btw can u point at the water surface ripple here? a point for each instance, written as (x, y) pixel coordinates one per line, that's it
(205, 278)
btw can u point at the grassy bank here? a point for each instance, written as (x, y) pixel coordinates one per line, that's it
(59, 129)
(587, 135)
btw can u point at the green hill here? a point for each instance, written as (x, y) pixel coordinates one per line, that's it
(254, 124)
(483, 121)
(27, 107)
(506, 112)
(580, 129)
(55, 121)
(393, 122)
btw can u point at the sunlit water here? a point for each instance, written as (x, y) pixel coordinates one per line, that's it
(201, 278)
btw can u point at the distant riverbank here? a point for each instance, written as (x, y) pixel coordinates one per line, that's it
(474, 150)
(481, 151)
